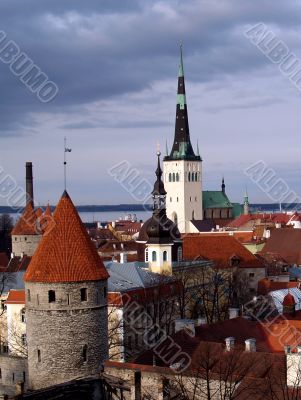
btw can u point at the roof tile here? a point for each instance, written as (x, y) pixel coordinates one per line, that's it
(66, 253)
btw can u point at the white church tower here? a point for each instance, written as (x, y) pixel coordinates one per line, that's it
(183, 168)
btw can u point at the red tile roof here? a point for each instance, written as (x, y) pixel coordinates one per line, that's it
(38, 212)
(289, 300)
(286, 244)
(16, 297)
(265, 286)
(27, 223)
(66, 253)
(220, 249)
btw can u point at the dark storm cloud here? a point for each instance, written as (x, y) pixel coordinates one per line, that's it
(95, 50)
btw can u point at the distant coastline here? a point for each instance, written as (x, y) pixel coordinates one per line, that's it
(260, 207)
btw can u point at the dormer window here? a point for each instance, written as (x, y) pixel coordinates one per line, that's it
(234, 261)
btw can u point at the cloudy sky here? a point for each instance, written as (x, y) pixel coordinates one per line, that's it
(115, 64)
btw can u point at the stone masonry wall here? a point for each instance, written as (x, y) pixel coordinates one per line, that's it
(26, 244)
(58, 331)
(13, 371)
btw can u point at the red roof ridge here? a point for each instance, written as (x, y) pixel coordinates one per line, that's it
(66, 252)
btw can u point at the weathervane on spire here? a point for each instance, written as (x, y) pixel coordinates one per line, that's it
(158, 149)
(66, 150)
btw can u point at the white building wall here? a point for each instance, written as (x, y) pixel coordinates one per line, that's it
(15, 329)
(184, 197)
(159, 265)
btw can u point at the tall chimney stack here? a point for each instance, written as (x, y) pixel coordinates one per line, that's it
(29, 184)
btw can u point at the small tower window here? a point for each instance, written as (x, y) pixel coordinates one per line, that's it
(146, 255)
(177, 199)
(173, 177)
(85, 350)
(22, 314)
(154, 256)
(170, 199)
(188, 176)
(23, 339)
(83, 294)
(164, 255)
(51, 296)
(39, 355)
(177, 177)
(105, 292)
(28, 295)
(169, 177)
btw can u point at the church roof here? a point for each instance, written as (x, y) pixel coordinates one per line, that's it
(215, 199)
(27, 223)
(65, 253)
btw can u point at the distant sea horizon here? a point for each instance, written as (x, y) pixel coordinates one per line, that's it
(141, 212)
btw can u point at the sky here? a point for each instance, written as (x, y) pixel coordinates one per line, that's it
(115, 65)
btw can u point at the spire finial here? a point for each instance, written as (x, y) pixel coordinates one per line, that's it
(66, 150)
(223, 185)
(181, 66)
(166, 148)
(197, 148)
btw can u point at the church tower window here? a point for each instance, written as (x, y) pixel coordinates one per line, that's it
(154, 256)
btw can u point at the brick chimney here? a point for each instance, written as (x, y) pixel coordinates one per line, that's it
(29, 184)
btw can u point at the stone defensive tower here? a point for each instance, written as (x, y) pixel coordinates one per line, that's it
(66, 303)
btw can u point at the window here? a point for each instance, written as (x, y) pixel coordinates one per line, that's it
(146, 255)
(170, 199)
(251, 274)
(192, 215)
(105, 292)
(28, 294)
(39, 355)
(165, 255)
(196, 199)
(25, 238)
(190, 199)
(68, 299)
(22, 314)
(177, 177)
(173, 177)
(0, 373)
(24, 376)
(188, 176)
(51, 296)
(180, 253)
(83, 294)
(23, 339)
(13, 377)
(169, 177)
(154, 256)
(85, 350)
(38, 300)
(177, 199)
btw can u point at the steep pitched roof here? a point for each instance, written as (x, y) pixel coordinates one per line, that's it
(27, 223)
(285, 243)
(215, 199)
(66, 253)
(220, 249)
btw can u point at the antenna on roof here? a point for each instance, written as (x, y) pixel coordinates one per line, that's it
(66, 150)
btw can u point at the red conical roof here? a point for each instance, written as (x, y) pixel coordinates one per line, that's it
(27, 223)
(289, 300)
(65, 253)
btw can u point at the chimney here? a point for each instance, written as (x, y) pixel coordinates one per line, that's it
(230, 341)
(29, 184)
(233, 312)
(250, 345)
(123, 258)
